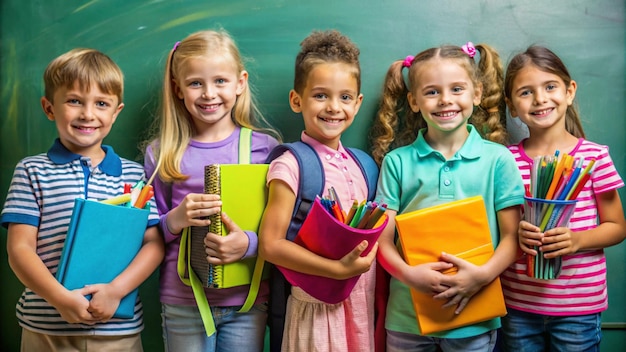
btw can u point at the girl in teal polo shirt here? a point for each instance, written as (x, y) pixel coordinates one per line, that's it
(440, 156)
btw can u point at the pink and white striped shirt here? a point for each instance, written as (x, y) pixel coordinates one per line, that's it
(581, 287)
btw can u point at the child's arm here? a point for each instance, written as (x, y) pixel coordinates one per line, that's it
(106, 297)
(426, 277)
(33, 273)
(471, 278)
(277, 249)
(561, 240)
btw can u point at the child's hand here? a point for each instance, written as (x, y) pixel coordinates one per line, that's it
(193, 211)
(529, 236)
(427, 277)
(559, 241)
(468, 280)
(74, 307)
(353, 264)
(104, 301)
(226, 249)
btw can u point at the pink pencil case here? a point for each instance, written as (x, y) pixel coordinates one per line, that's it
(326, 236)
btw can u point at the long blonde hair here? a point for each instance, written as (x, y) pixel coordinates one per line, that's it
(175, 124)
(391, 130)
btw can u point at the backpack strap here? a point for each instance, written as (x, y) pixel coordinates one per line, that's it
(310, 165)
(312, 170)
(368, 168)
(245, 154)
(184, 266)
(245, 150)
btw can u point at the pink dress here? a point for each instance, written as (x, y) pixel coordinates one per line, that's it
(310, 324)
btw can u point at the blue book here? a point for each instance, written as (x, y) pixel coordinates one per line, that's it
(102, 240)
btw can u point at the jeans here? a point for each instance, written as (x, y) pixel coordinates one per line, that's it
(403, 342)
(522, 331)
(183, 329)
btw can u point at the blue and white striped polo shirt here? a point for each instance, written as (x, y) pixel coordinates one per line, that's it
(42, 194)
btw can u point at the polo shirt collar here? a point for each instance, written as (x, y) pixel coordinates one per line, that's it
(471, 149)
(110, 165)
(321, 148)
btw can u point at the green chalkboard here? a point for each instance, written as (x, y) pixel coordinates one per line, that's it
(589, 35)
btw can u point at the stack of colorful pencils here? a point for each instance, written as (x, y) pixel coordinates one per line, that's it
(364, 215)
(555, 182)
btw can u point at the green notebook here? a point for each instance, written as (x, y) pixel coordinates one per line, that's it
(244, 195)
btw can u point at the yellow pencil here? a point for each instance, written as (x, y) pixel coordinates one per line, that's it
(117, 200)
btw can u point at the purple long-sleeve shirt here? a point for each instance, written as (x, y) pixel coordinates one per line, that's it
(168, 196)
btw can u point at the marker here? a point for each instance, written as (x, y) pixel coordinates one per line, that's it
(353, 208)
(373, 219)
(134, 193)
(335, 197)
(117, 200)
(146, 193)
(357, 216)
(337, 212)
(365, 216)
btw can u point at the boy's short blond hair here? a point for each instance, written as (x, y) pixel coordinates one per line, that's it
(87, 67)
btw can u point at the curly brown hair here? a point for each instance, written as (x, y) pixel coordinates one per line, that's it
(396, 124)
(325, 47)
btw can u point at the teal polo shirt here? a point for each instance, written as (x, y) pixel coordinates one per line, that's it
(416, 176)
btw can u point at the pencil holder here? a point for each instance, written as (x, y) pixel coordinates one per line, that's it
(328, 237)
(546, 214)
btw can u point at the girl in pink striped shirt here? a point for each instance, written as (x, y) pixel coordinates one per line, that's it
(561, 314)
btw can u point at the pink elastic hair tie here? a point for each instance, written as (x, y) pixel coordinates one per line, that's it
(469, 49)
(408, 61)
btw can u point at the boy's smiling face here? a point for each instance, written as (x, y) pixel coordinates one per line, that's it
(83, 118)
(329, 102)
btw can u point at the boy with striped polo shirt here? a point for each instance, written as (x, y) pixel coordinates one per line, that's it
(83, 97)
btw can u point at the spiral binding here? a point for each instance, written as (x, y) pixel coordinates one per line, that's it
(213, 186)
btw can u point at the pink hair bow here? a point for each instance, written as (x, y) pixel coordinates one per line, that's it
(408, 61)
(469, 49)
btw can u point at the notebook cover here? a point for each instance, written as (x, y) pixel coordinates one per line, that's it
(460, 228)
(324, 235)
(102, 240)
(244, 196)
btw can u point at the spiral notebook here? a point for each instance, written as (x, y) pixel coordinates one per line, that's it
(102, 240)
(244, 195)
(460, 228)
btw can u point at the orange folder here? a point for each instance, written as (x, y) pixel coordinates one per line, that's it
(461, 228)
